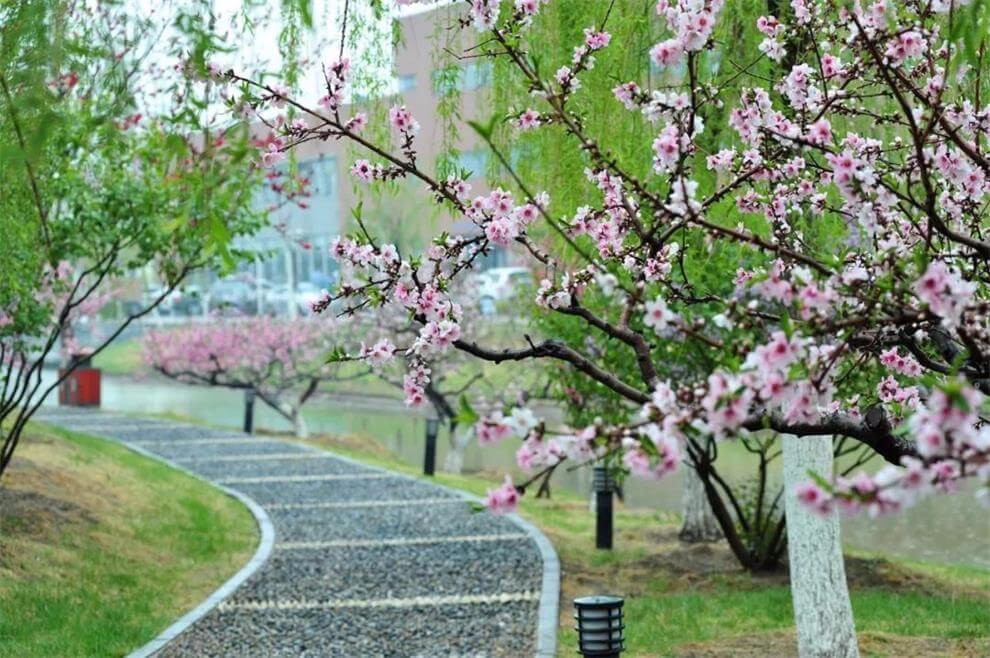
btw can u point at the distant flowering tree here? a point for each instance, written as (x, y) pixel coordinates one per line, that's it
(850, 192)
(93, 189)
(283, 361)
(454, 380)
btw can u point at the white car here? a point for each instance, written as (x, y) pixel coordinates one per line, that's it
(306, 295)
(498, 284)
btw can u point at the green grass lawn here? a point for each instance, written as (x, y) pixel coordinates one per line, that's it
(121, 357)
(100, 548)
(692, 600)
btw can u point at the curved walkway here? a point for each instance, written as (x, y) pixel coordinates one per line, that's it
(362, 561)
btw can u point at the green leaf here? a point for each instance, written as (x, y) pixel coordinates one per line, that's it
(786, 325)
(466, 414)
(820, 481)
(485, 130)
(337, 355)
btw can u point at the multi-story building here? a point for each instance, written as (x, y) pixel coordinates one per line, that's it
(297, 252)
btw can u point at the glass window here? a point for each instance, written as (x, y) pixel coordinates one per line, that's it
(407, 82)
(496, 257)
(471, 76)
(477, 74)
(446, 80)
(475, 161)
(670, 74)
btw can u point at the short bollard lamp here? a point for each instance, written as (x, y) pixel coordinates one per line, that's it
(430, 458)
(603, 486)
(599, 626)
(249, 410)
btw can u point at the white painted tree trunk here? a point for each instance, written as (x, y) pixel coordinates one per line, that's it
(454, 461)
(699, 520)
(299, 425)
(294, 415)
(822, 612)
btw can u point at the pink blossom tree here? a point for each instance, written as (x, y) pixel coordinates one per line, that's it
(94, 189)
(283, 362)
(455, 381)
(849, 192)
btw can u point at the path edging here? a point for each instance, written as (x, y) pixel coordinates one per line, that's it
(548, 611)
(261, 555)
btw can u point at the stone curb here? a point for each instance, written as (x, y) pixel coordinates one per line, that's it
(548, 610)
(261, 555)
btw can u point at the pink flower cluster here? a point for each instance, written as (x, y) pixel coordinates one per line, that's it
(504, 499)
(501, 218)
(949, 437)
(944, 292)
(639, 459)
(403, 121)
(379, 353)
(414, 384)
(242, 351)
(336, 80)
(691, 22)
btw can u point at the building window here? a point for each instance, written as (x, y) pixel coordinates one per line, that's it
(477, 74)
(407, 82)
(446, 80)
(496, 257)
(470, 77)
(474, 161)
(675, 73)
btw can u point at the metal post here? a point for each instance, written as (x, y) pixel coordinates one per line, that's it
(603, 508)
(248, 410)
(430, 458)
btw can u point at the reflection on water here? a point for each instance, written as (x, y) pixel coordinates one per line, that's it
(951, 529)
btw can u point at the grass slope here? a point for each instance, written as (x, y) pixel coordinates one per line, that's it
(100, 548)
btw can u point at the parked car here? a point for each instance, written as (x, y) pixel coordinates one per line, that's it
(233, 295)
(305, 296)
(499, 284)
(187, 300)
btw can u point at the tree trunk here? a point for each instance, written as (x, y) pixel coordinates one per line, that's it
(293, 414)
(822, 612)
(700, 524)
(299, 424)
(459, 440)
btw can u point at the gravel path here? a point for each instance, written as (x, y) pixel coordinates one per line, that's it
(364, 562)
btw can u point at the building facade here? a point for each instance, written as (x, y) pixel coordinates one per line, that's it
(294, 251)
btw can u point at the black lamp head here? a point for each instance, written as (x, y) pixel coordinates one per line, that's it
(432, 426)
(601, 480)
(599, 626)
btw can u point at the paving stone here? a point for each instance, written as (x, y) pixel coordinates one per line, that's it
(503, 630)
(374, 488)
(427, 520)
(194, 449)
(397, 571)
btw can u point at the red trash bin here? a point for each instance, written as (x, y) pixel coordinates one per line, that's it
(82, 387)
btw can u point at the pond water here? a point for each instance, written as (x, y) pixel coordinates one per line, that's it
(950, 529)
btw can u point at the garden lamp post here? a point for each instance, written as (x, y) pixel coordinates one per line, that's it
(248, 410)
(599, 626)
(430, 458)
(603, 486)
